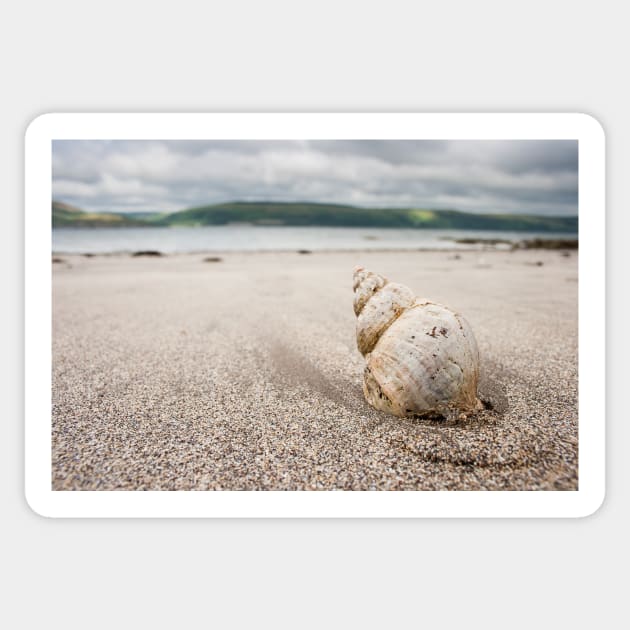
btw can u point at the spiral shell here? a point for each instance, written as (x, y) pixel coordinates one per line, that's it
(421, 357)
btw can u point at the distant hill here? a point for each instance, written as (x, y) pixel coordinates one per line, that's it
(141, 216)
(305, 214)
(65, 215)
(302, 214)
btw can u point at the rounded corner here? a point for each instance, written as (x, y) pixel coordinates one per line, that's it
(594, 505)
(592, 124)
(34, 508)
(39, 122)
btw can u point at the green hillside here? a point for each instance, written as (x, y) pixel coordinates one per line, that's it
(302, 214)
(65, 215)
(305, 214)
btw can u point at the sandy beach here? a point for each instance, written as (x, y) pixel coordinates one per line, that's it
(171, 373)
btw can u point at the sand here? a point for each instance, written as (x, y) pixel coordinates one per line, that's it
(172, 373)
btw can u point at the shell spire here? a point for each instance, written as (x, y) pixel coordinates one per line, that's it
(364, 284)
(421, 357)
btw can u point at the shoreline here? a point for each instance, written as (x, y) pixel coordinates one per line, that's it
(373, 250)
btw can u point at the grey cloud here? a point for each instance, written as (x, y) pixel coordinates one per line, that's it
(538, 176)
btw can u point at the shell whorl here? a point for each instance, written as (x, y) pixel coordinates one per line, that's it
(365, 284)
(420, 356)
(377, 304)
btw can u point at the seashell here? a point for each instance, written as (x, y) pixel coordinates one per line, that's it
(421, 357)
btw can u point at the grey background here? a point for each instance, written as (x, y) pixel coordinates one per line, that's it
(282, 56)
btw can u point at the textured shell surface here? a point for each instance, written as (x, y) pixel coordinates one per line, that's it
(421, 357)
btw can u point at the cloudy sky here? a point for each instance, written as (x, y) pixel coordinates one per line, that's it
(521, 176)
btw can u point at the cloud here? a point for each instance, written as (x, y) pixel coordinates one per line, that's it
(537, 176)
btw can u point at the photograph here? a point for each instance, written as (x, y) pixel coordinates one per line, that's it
(314, 314)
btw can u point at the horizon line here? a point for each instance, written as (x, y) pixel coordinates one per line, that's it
(322, 203)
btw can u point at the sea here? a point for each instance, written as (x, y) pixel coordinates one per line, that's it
(253, 238)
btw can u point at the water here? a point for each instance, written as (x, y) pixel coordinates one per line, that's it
(227, 238)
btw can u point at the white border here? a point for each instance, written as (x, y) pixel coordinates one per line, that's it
(582, 502)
